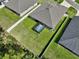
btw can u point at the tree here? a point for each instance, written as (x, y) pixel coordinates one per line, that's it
(10, 48)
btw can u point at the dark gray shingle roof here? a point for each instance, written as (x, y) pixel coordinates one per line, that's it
(70, 38)
(49, 14)
(1, 0)
(20, 6)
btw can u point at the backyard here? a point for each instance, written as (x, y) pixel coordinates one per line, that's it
(30, 39)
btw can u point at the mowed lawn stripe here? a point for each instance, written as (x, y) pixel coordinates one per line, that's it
(7, 18)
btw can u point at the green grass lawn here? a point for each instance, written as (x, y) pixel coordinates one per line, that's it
(56, 51)
(29, 38)
(7, 18)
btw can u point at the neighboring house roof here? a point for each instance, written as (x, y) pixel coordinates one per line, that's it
(49, 14)
(1, 0)
(20, 6)
(70, 38)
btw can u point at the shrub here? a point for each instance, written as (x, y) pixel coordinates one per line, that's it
(71, 12)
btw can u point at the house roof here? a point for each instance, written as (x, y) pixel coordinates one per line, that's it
(20, 6)
(70, 38)
(49, 14)
(1, 0)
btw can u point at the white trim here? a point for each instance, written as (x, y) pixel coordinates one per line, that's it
(26, 11)
(15, 24)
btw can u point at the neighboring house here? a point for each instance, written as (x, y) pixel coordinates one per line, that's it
(20, 6)
(1, 1)
(49, 14)
(70, 38)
